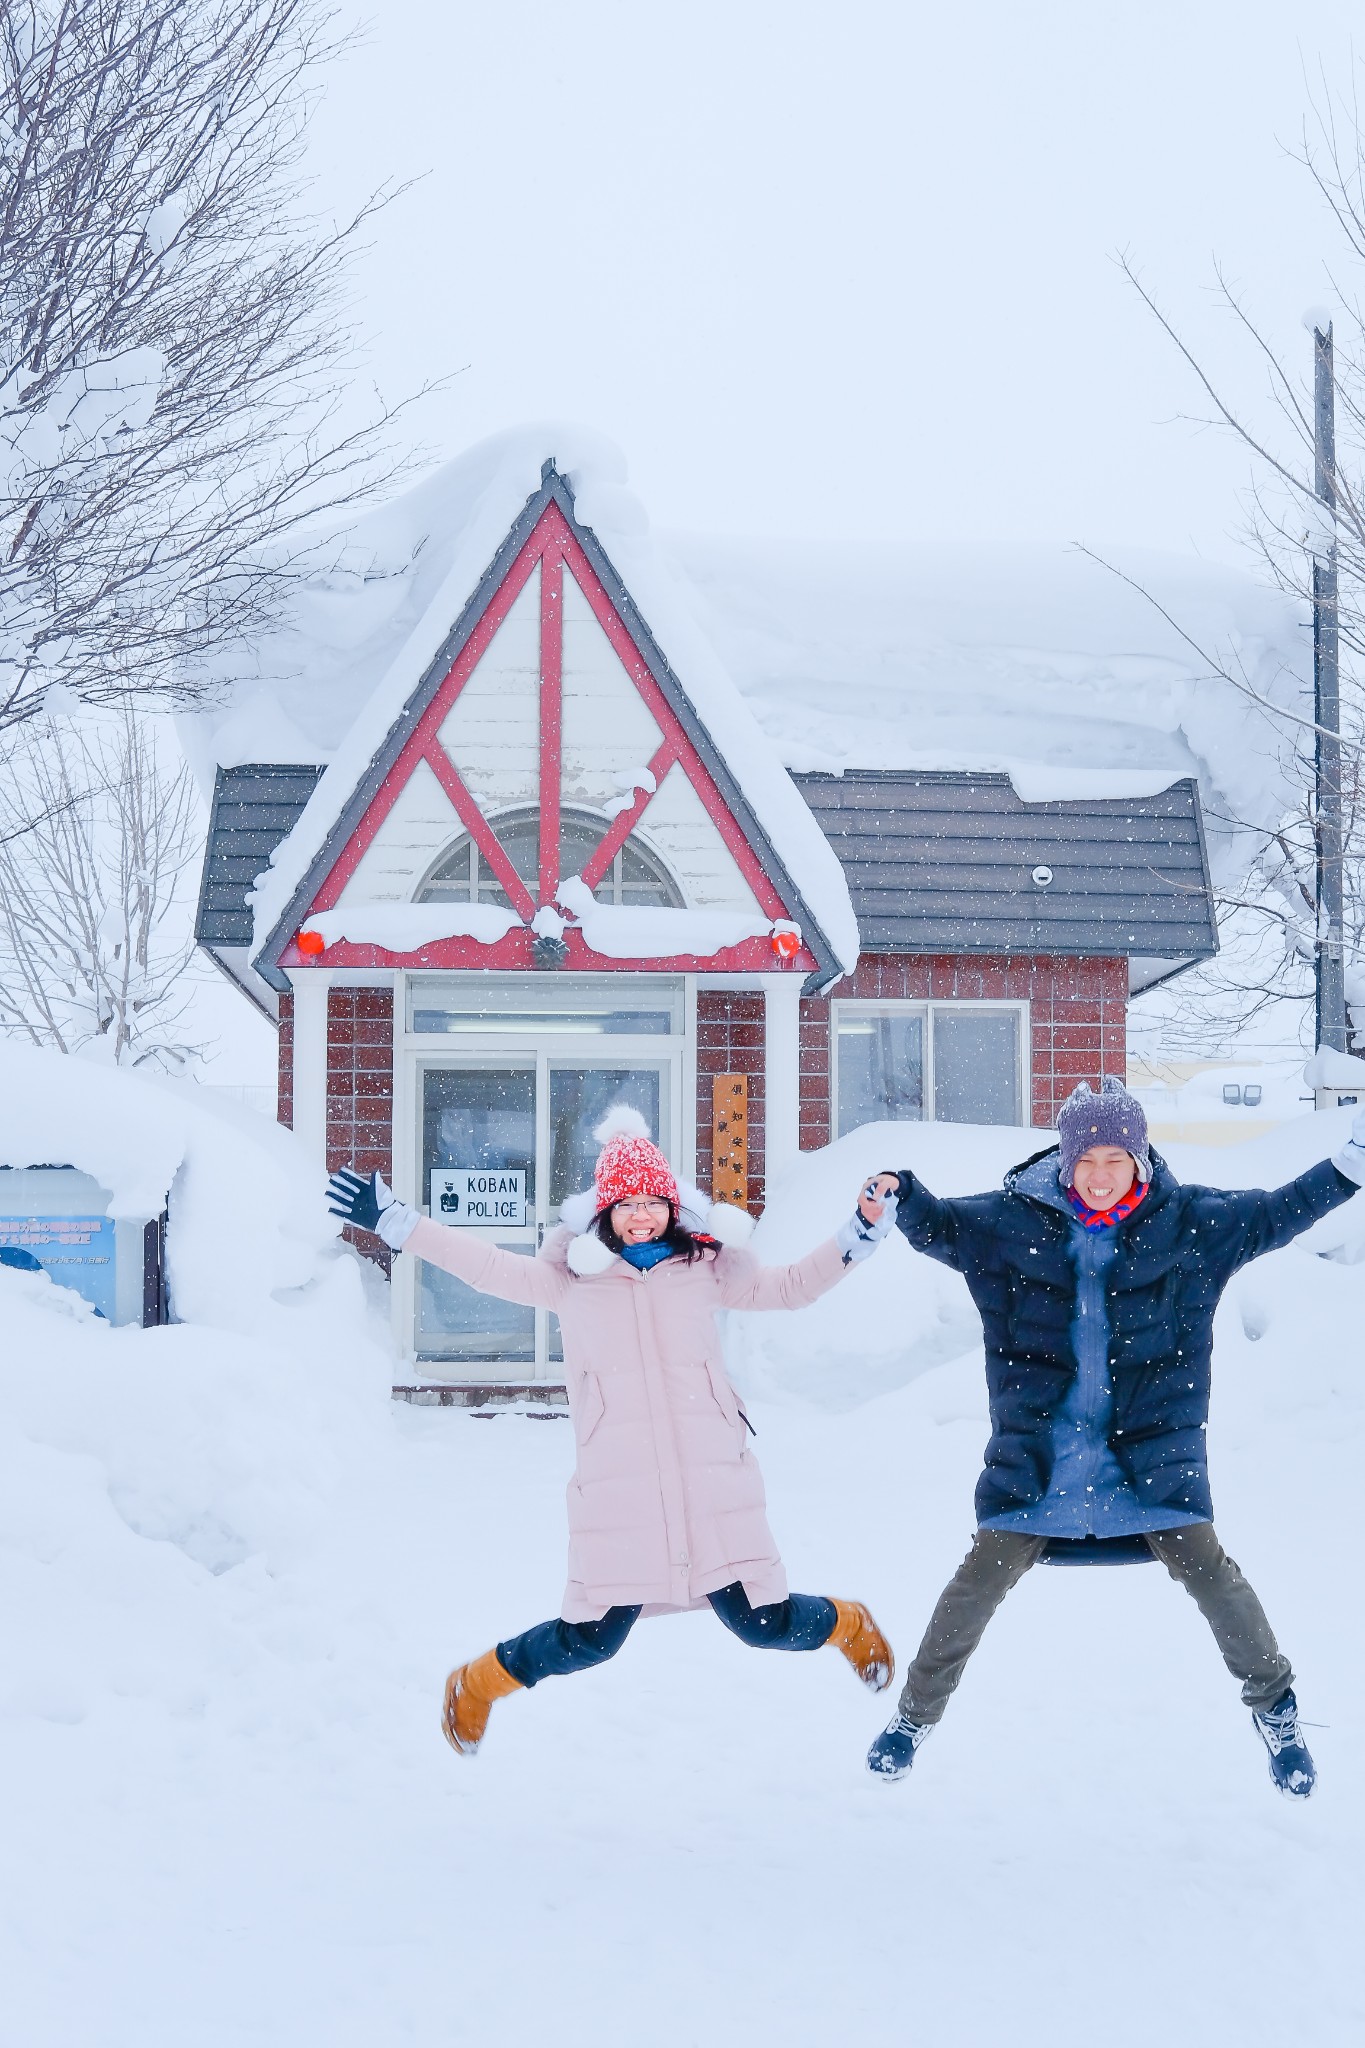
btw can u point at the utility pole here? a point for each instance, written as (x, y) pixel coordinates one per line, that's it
(1331, 948)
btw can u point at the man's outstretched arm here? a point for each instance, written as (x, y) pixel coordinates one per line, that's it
(1274, 1217)
(932, 1226)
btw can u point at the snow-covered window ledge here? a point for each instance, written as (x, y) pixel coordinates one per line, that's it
(622, 931)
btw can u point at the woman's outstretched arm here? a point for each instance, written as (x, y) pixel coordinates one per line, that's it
(744, 1283)
(367, 1203)
(535, 1283)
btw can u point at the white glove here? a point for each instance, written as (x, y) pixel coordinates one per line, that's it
(367, 1201)
(1351, 1159)
(396, 1220)
(858, 1239)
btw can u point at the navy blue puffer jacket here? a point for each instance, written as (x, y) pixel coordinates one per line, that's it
(1175, 1255)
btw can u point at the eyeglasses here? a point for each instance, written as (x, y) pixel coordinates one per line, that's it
(647, 1205)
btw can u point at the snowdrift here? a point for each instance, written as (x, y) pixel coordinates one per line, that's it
(233, 1574)
(248, 1221)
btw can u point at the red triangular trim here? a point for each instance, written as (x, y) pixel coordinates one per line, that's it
(554, 546)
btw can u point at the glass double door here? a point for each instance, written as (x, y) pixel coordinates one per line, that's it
(505, 1140)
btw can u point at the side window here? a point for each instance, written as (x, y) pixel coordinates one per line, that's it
(879, 1064)
(942, 1062)
(976, 1065)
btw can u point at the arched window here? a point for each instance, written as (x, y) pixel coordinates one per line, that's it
(635, 876)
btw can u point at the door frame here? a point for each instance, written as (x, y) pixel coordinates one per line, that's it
(413, 1054)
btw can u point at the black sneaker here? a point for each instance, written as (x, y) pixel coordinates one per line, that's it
(1291, 1766)
(893, 1752)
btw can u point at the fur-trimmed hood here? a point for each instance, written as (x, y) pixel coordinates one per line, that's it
(587, 1254)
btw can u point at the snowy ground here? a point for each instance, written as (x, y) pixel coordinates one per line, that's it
(233, 1575)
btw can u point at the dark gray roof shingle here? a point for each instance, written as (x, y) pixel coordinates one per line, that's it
(254, 808)
(943, 863)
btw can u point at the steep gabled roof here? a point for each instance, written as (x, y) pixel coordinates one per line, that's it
(737, 756)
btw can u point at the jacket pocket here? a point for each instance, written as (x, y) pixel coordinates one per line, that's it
(727, 1400)
(589, 1408)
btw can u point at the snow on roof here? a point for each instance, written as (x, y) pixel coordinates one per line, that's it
(1035, 661)
(371, 619)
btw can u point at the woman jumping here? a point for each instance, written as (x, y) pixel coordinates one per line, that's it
(666, 1504)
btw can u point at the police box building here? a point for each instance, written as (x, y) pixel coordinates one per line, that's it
(497, 839)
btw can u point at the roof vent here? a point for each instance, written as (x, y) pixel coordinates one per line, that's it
(1042, 878)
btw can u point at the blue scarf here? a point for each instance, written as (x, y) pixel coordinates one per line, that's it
(643, 1256)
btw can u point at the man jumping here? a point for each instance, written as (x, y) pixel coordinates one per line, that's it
(1097, 1274)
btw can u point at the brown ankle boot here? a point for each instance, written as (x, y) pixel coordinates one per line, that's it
(470, 1693)
(857, 1637)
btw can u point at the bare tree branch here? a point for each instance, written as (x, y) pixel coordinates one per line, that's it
(175, 340)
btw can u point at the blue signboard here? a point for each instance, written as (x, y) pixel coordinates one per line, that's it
(77, 1251)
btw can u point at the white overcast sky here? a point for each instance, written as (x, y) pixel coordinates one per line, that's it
(841, 270)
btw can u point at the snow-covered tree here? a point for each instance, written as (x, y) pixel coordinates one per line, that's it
(99, 837)
(1270, 914)
(173, 339)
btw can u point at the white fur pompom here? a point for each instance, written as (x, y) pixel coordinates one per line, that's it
(579, 1210)
(587, 1255)
(728, 1224)
(621, 1122)
(692, 1205)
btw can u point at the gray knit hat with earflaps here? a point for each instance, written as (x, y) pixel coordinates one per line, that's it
(1113, 1117)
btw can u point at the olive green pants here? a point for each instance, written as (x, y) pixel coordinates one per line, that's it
(998, 1560)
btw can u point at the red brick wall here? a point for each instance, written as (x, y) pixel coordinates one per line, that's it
(1078, 1019)
(360, 1092)
(730, 1041)
(360, 1079)
(284, 1079)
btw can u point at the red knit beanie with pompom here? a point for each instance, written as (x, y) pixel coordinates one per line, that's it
(630, 1163)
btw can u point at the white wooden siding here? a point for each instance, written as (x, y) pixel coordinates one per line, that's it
(421, 824)
(678, 823)
(492, 733)
(608, 733)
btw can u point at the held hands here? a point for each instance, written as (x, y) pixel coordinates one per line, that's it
(875, 1192)
(872, 1220)
(369, 1203)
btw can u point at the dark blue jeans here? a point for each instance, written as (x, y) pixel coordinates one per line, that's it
(803, 1621)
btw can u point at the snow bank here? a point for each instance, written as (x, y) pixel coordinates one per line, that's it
(895, 1316)
(234, 1574)
(247, 1218)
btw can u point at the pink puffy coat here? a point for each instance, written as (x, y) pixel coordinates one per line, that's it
(666, 1503)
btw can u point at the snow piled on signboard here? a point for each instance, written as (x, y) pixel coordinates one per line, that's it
(234, 1575)
(248, 1226)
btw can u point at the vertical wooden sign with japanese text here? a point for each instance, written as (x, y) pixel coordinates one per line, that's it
(730, 1138)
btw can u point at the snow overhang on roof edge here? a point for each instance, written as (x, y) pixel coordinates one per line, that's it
(766, 803)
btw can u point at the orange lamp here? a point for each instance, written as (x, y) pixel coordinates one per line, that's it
(786, 944)
(310, 944)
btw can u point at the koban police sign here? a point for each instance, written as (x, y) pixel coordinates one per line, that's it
(474, 1195)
